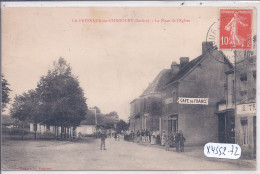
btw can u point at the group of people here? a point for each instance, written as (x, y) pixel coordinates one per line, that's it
(172, 140)
(175, 140)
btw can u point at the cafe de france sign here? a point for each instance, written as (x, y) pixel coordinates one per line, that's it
(195, 101)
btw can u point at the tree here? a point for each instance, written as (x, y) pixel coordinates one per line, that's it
(113, 114)
(121, 126)
(25, 108)
(62, 98)
(5, 92)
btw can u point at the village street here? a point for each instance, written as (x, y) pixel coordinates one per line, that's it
(86, 155)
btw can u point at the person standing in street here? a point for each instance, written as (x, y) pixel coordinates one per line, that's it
(181, 140)
(142, 136)
(177, 141)
(103, 137)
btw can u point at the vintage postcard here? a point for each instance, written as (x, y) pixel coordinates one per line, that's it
(129, 88)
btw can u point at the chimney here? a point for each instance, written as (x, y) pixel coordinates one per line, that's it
(183, 61)
(174, 67)
(206, 47)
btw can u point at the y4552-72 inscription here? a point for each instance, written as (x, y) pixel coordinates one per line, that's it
(222, 150)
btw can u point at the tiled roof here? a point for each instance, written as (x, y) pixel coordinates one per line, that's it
(192, 64)
(185, 69)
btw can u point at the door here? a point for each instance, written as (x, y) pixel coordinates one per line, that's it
(226, 127)
(221, 128)
(173, 124)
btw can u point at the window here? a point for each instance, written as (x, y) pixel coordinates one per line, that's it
(243, 90)
(244, 126)
(48, 128)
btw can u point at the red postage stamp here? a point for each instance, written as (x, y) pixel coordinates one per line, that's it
(235, 29)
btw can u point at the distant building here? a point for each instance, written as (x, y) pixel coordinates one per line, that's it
(146, 110)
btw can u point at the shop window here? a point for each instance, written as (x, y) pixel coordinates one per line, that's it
(244, 125)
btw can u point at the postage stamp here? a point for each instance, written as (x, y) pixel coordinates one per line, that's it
(235, 29)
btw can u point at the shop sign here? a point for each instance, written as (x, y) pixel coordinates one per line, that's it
(249, 108)
(198, 101)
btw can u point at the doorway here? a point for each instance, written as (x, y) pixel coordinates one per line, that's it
(173, 124)
(226, 127)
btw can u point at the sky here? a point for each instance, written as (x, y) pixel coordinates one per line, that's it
(114, 61)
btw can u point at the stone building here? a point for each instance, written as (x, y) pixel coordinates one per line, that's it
(237, 113)
(191, 96)
(187, 98)
(245, 120)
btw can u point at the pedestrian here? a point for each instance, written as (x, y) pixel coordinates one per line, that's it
(115, 136)
(138, 136)
(142, 136)
(163, 138)
(177, 141)
(103, 137)
(146, 136)
(158, 138)
(167, 144)
(150, 135)
(181, 140)
(170, 137)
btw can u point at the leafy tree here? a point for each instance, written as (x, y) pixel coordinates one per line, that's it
(62, 98)
(121, 126)
(112, 114)
(25, 108)
(5, 92)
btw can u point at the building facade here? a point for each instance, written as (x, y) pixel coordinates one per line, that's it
(237, 113)
(191, 97)
(246, 101)
(145, 111)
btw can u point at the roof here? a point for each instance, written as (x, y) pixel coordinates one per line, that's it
(192, 64)
(159, 81)
(185, 69)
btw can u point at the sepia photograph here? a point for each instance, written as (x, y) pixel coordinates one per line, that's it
(87, 88)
